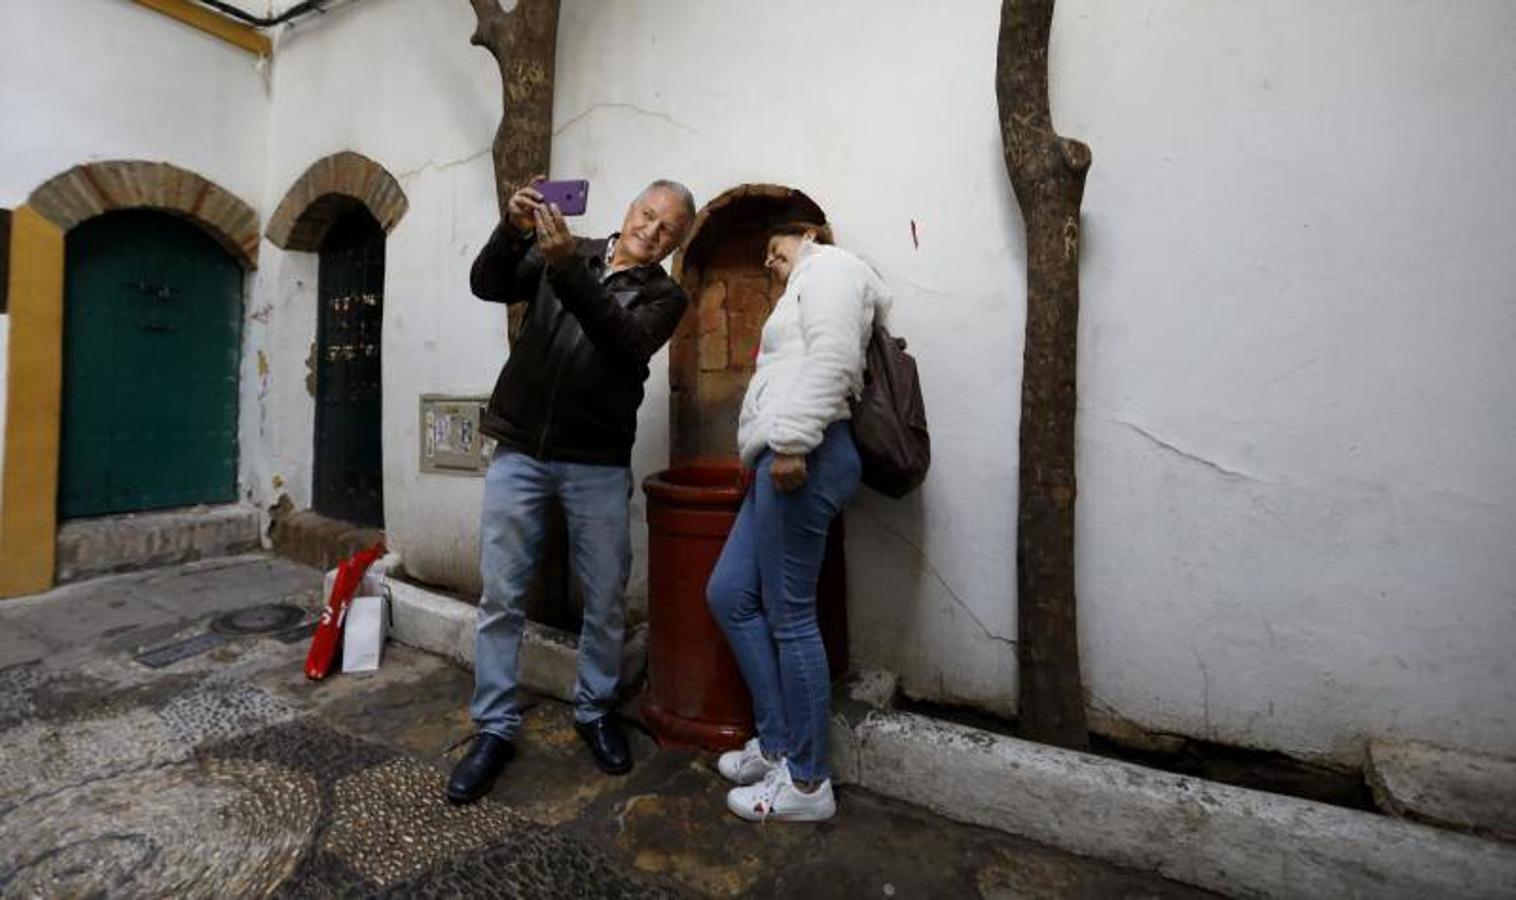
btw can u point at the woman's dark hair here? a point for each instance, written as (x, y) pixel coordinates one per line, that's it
(798, 228)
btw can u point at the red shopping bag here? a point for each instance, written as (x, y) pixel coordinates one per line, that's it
(318, 662)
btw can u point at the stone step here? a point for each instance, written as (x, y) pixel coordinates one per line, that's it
(437, 623)
(311, 538)
(91, 547)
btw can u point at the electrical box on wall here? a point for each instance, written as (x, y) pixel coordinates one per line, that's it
(451, 443)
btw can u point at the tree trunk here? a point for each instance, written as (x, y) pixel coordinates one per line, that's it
(1047, 173)
(524, 43)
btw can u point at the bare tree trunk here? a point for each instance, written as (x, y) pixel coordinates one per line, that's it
(524, 43)
(1047, 173)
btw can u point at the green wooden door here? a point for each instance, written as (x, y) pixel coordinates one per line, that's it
(152, 334)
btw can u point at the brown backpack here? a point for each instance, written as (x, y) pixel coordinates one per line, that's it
(889, 418)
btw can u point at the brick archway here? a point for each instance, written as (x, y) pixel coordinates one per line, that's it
(328, 189)
(34, 385)
(712, 354)
(87, 190)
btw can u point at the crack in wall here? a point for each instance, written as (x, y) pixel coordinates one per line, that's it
(925, 289)
(1205, 679)
(1102, 707)
(435, 166)
(931, 570)
(597, 107)
(1180, 451)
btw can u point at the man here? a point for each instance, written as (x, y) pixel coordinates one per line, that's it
(565, 413)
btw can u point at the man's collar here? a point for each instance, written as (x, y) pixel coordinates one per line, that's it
(610, 253)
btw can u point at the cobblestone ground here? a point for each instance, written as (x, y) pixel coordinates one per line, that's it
(227, 774)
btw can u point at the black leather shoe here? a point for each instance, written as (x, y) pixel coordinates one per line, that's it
(608, 744)
(475, 773)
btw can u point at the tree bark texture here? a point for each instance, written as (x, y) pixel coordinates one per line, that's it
(524, 43)
(1047, 173)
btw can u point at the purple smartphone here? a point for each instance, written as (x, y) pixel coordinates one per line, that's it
(571, 196)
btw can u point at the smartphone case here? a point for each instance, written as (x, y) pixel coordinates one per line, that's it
(572, 197)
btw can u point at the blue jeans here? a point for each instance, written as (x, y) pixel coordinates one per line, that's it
(763, 594)
(517, 490)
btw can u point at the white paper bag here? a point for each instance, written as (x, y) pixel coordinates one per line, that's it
(364, 633)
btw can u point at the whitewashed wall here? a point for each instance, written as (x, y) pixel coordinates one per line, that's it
(84, 80)
(400, 84)
(1298, 501)
(1297, 498)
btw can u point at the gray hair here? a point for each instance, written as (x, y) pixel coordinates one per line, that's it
(678, 190)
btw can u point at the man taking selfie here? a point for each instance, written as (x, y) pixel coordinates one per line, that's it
(564, 411)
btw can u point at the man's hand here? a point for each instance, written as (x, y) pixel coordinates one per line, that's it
(553, 237)
(521, 208)
(788, 472)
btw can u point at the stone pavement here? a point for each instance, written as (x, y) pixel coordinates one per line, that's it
(227, 773)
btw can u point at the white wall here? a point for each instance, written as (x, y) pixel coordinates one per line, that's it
(826, 98)
(1298, 269)
(85, 80)
(400, 84)
(1298, 326)
(1298, 498)
(1297, 323)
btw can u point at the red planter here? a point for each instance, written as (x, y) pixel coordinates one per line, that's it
(696, 696)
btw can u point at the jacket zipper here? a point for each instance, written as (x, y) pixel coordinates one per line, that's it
(552, 397)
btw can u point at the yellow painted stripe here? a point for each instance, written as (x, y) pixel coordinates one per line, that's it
(28, 506)
(235, 33)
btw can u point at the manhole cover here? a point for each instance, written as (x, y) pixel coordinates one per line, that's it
(265, 619)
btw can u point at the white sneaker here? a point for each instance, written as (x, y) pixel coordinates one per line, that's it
(776, 797)
(745, 766)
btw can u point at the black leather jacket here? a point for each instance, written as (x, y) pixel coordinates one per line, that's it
(570, 389)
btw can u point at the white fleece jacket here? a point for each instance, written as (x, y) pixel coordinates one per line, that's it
(810, 359)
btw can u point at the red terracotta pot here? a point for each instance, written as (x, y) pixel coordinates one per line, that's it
(696, 696)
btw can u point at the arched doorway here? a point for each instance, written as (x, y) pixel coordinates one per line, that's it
(712, 355)
(151, 342)
(341, 208)
(349, 455)
(34, 387)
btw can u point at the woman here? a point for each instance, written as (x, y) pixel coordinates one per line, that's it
(794, 432)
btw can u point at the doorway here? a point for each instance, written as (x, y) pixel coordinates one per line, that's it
(152, 340)
(349, 457)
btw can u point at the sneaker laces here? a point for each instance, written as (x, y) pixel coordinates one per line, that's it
(768, 790)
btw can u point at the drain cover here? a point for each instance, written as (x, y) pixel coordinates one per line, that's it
(265, 619)
(168, 655)
(297, 634)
